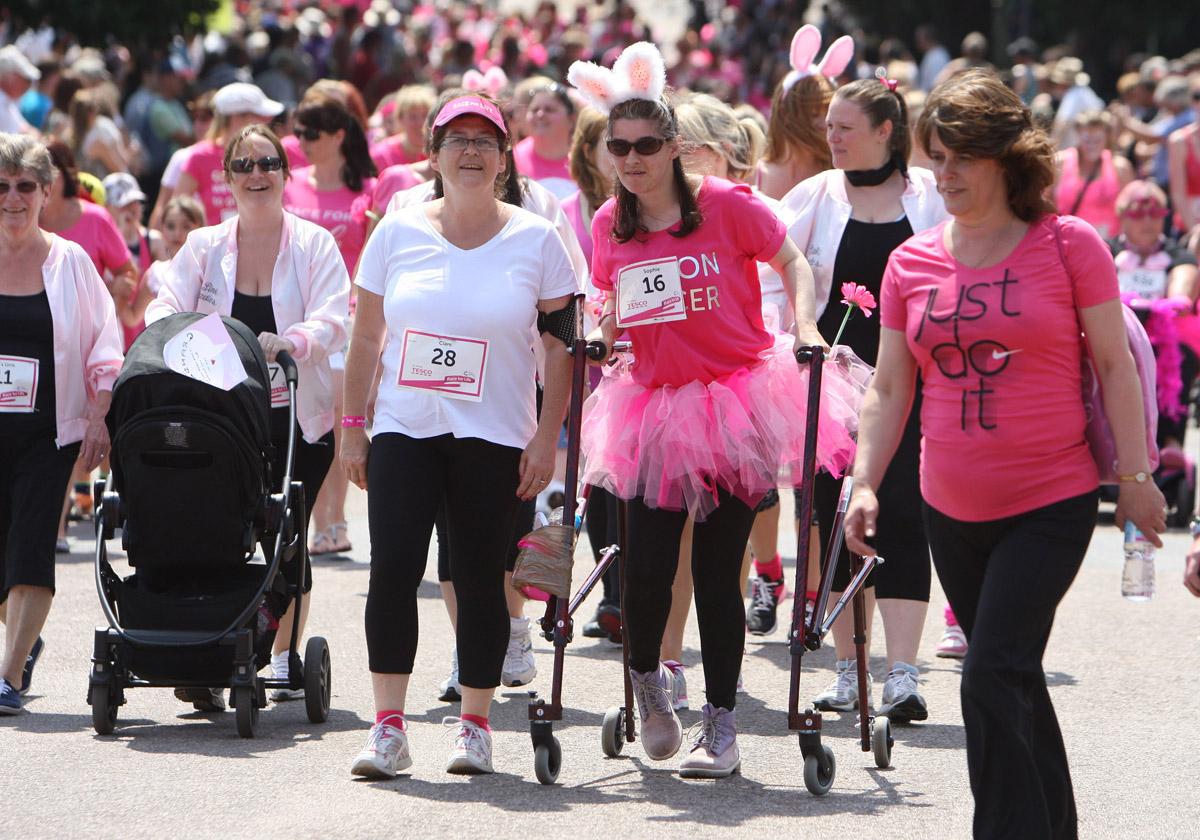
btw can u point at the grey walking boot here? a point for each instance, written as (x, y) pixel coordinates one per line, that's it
(715, 753)
(661, 731)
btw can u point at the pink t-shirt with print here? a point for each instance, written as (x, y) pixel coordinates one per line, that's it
(554, 175)
(718, 269)
(342, 212)
(206, 164)
(998, 348)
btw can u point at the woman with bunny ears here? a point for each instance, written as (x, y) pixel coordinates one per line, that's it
(848, 220)
(678, 258)
(796, 147)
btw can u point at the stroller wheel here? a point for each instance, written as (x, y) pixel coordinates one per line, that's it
(104, 710)
(547, 761)
(317, 684)
(819, 783)
(612, 732)
(881, 742)
(247, 710)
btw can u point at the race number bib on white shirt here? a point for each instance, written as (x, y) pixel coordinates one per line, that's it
(279, 387)
(447, 364)
(1148, 283)
(18, 384)
(650, 292)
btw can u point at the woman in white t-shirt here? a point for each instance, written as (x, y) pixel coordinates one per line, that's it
(455, 286)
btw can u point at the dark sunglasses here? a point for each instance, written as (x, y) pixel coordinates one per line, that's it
(202, 113)
(1196, 96)
(644, 146)
(306, 132)
(1145, 213)
(245, 165)
(23, 187)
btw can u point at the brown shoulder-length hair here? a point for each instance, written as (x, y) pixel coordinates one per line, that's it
(797, 124)
(627, 220)
(253, 130)
(976, 115)
(589, 133)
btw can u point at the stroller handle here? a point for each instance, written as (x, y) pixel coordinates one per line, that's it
(288, 364)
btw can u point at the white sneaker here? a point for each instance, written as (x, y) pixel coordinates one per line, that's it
(279, 671)
(842, 694)
(741, 685)
(902, 702)
(679, 694)
(385, 754)
(519, 666)
(472, 751)
(450, 690)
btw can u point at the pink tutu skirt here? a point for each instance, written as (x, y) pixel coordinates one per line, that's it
(743, 432)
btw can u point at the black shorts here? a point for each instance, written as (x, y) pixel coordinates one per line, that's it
(34, 474)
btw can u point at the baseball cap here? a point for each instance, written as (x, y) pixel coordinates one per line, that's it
(12, 60)
(464, 105)
(121, 188)
(245, 98)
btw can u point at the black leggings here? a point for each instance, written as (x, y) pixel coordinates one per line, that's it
(900, 531)
(718, 544)
(311, 465)
(1004, 580)
(524, 524)
(409, 479)
(601, 523)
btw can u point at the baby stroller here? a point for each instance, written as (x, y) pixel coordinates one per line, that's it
(191, 494)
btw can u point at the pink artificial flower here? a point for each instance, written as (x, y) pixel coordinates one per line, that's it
(855, 295)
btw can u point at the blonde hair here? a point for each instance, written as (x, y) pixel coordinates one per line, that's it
(414, 97)
(706, 121)
(589, 133)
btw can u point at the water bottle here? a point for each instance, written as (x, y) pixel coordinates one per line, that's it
(1137, 581)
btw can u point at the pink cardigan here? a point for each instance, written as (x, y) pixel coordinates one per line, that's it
(87, 340)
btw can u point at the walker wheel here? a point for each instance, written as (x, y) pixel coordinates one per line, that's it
(882, 742)
(612, 732)
(247, 710)
(547, 761)
(819, 783)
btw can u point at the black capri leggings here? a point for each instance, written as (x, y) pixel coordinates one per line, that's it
(311, 466)
(717, 547)
(410, 478)
(900, 530)
(1005, 579)
(34, 474)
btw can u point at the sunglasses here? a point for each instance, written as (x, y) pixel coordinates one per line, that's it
(202, 113)
(23, 187)
(306, 132)
(644, 146)
(1196, 96)
(1154, 212)
(246, 165)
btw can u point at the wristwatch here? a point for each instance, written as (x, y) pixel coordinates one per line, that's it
(1194, 526)
(1139, 477)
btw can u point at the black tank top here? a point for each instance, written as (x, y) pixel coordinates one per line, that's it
(861, 258)
(27, 332)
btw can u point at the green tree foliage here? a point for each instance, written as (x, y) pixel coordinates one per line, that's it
(137, 23)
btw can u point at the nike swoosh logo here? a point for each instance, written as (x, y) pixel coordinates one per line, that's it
(997, 355)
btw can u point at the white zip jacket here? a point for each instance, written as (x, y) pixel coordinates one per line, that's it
(817, 211)
(310, 296)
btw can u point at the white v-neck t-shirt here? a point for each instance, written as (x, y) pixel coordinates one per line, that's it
(487, 294)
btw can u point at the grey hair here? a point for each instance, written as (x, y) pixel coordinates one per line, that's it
(706, 121)
(20, 153)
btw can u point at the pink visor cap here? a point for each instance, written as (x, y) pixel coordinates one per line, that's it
(465, 105)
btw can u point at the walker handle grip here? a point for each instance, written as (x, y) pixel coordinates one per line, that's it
(285, 361)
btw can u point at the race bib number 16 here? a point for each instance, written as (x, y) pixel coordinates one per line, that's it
(452, 366)
(18, 384)
(650, 293)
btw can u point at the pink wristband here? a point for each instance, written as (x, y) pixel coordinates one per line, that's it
(354, 422)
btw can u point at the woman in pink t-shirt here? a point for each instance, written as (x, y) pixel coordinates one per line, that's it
(542, 156)
(988, 308)
(406, 126)
(712, 408)
(335, 192)
(1091, 176)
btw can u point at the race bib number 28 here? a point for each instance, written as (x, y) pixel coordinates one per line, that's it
(452, 366)
(18, 384)
(650, 292)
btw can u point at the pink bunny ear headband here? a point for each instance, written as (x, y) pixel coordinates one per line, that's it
(492, 82)
(638, 73)
(806, 43)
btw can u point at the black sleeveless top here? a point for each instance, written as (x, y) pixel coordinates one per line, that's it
(27, 332)
(862, 256)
